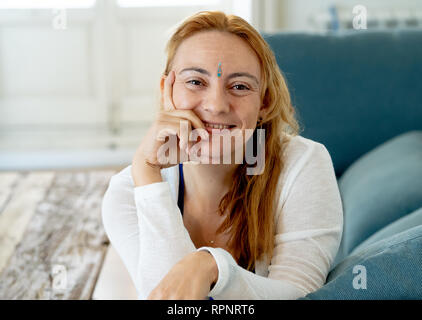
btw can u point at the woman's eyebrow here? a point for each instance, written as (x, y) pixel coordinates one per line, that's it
(243, 74)
(200, 70)
(230, 76)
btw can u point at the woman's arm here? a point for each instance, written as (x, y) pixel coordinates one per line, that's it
(162, 236)
(144, 174)
(309, 229)
(120, 220)
(145, 226)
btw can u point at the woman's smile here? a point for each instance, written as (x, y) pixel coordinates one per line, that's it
(218, 127)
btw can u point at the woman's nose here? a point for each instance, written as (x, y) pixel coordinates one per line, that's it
(217, 102)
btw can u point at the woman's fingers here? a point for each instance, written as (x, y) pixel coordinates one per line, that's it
(188, 115)
(179, 128)
(169, 104)
(165, 132)
(168, 92)
(182, 113)
(185, 129)
(173, 122)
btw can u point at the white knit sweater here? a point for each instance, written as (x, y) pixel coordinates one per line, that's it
(146, 227)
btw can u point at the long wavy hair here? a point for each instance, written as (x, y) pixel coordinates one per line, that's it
(251, 200)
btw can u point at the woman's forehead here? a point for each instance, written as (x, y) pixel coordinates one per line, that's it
(209, 49)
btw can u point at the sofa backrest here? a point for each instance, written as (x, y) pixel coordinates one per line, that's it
(353, 90)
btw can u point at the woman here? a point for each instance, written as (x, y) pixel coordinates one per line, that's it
(196, 230)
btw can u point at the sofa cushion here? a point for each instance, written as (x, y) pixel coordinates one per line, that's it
(409, 221)
(387, 269)
(379, 188)
(352, 90)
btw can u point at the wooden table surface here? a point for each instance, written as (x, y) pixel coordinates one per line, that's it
(52, 241)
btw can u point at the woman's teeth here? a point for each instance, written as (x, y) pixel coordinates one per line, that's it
(217, 126)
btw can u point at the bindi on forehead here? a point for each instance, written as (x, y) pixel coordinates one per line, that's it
(219, 72)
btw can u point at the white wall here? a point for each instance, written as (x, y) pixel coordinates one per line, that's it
(87, 91)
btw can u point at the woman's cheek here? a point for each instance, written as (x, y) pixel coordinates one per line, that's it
(245, 114)
(184, 98)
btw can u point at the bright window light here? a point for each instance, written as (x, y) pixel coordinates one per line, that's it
(165, 3)
(45, 4)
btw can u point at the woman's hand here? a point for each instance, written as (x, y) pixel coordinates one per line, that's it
(189, 279)
(167, 123)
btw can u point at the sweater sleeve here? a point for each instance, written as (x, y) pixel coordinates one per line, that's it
(121, 222)
(163, 240)
(309, 227)
(145, 226)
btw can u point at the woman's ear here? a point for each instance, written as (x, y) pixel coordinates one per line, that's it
(263, 112)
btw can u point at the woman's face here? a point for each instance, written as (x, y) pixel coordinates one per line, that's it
(233, 98)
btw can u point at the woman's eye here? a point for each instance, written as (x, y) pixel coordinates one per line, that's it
(194, 82)
(241, 86)
(238, 87)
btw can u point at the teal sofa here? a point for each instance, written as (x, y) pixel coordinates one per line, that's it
(360, 94)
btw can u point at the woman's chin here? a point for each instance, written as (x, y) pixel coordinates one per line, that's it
(205, 156)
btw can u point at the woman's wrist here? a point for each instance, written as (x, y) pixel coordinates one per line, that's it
(143, 174)
(210, 265)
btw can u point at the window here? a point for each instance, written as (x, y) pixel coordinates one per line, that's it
(165, 3)
(45, 4)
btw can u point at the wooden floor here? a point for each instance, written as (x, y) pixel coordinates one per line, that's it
(52, 241)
